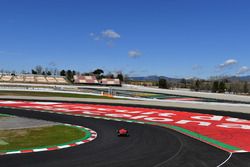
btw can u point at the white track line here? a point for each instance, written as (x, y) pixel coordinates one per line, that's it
(230, 155)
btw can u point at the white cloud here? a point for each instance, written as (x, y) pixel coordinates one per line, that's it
(111, 34)
(228, 63)
(107, 36)
(243, 70)
(134, 53)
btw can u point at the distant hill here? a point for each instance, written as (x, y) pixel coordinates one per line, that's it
(153, 78)
(239, 78)
(232, 78)
(156, 78)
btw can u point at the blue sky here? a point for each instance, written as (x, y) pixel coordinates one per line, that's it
(176, 38)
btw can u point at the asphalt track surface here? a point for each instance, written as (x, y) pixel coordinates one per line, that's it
(147, 146)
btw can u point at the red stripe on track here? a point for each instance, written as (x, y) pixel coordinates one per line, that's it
(231, 131)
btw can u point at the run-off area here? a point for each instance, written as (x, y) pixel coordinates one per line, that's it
(231, 134)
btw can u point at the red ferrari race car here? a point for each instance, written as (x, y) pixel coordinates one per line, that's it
(122, 132)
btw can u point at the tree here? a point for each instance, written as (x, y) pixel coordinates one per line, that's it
(235, 87)
(43, 73)
(245, 87)
(33, 71)
(183, 83)
(197, 85)
(120, 77)
(215, 87)
(39, 69)
(230, 89)
(222, 87)
(62, 73)
(69, 75)
(49, 73)
(163, 83)
(98, 72)
(205, 85)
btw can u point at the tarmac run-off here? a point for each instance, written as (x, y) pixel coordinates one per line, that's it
(231, 134)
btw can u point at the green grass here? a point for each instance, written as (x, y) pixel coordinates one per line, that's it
(51, 94)
(2, 116)
(39, 137)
